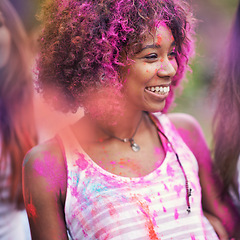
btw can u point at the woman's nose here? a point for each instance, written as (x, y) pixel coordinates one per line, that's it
(168, 68)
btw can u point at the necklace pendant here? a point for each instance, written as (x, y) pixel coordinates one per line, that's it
(135, 147)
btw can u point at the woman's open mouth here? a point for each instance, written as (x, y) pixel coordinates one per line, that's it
(160, 90)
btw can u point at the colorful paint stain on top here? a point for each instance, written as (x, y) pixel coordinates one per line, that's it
(176, 215)
(150, 221)
(178, 189)
(112, 210)
(193, 237)
(147, 199)
(81, 162)
(170, 171)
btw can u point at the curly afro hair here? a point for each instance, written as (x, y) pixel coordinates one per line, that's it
(82, 40)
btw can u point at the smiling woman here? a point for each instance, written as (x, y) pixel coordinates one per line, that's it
(148, 78)
(125, 170)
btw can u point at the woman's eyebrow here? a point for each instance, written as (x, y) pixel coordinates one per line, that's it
(151, 46)
(156, 46)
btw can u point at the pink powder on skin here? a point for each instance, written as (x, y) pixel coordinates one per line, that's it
(31, 210)
(51, 170)
(157, 150)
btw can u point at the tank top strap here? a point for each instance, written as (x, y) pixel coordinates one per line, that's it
(69, 145)
(167, 127)
(176, 140)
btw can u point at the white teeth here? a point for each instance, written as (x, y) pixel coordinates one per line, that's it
(160, 90)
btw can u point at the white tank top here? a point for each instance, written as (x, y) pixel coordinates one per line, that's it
(101, 205)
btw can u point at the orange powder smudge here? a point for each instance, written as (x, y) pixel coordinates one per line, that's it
(31, 210)
(130, 165)
(149, 221)
(159, 40)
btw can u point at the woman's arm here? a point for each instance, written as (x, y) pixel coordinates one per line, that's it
(192, 134)
(44, 189)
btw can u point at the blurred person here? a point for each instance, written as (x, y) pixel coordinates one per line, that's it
(227, 115)
(126, 169)
(17, 128)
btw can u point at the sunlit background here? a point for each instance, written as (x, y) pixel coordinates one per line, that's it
(214, 22)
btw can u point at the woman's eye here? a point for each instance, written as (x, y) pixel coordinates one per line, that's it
(172, 54)
(151, 56)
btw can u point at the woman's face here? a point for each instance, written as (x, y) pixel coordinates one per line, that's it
(148, 80)
(5, 42)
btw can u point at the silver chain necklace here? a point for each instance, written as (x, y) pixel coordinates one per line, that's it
(135, 147)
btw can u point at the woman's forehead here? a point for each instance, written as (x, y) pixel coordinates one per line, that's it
(161, 33)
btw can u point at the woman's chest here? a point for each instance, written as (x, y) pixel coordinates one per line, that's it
(104, 204)
(119, 158)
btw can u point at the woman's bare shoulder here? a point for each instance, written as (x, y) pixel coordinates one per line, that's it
(49, 147)
(184, 121)
(191, 132)
(45, 163)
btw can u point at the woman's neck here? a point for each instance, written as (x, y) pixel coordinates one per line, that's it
(122, 126)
